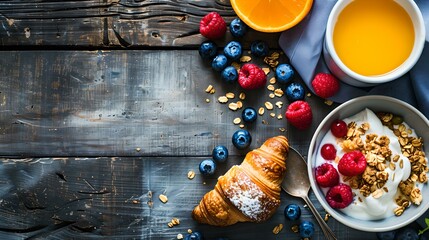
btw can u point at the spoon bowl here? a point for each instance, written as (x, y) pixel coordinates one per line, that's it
(296, 183)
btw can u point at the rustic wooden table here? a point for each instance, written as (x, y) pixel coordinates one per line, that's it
(103, 108)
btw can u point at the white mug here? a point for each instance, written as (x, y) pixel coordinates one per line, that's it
(340, 70)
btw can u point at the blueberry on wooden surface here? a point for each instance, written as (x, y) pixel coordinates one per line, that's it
(220, 153)
(207, 167)
(241, 139)
(249, 115)
(233, 50)
(207, 50)
(284, 73)
(294, 92)
(292, 212)
(259, 48)
(237, 28)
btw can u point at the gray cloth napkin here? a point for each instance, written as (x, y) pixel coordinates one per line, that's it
(303, 45)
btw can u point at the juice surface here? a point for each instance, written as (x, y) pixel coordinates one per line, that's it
(373, 37)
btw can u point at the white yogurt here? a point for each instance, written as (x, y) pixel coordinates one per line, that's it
(371, 208)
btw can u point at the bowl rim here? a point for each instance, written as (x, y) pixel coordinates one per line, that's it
(415, 54)
(335, 213)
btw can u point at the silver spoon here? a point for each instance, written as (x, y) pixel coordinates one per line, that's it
(297, 184)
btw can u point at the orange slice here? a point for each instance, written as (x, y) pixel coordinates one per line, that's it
(271, 15)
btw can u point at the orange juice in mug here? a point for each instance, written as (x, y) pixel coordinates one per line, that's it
(368, 42)
(373, 37)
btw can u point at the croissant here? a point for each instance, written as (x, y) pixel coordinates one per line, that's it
(249, 192)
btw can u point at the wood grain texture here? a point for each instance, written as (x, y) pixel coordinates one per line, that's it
(112, 103)
(111, 24)
(91, 198)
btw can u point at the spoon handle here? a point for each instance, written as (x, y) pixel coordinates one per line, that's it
(325, 228)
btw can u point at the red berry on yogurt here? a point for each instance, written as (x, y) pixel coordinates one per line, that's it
(339, 128)
(327, 175)
(339, 196)
(352, 163)
(328, 151)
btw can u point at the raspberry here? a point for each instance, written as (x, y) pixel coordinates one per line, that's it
(325, 85)
(352, 163)
(251, 77)
(327, 175)
(299, 114)
(328, 151)
(339, 128)
(212, 26)
(339, 196)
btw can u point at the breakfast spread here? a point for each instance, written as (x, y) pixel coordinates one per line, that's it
(371, 166)
(249, 192)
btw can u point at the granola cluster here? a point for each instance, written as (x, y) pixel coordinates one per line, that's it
(379, 158)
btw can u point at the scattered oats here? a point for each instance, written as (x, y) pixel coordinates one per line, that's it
(282, 129)
(270, 87)
(308, 94)
(242, 96)
(268, 105)
(271, 95)
(237, 121)
(273, 80)
(207, 100)
(279, 104)
(278, 92)
(233, 106)
(163, 198)
(264, 122)
(261, 111)
(401, 163)
(212, 91)
(189, 231)
(170, 224)
(230, 95)
(222, 99)
(278, 228)
(236, 65)
(295, 228)
(135, 201)
(175, 221)
(266, 70)
(328, 102)
(239, 104)
(191, 174)
(272, 115)
(179, 236)
(241, 125)
(138, 149)
(377, 193)
(279, 116)
(209, 88)
(327, 217)
(245, 59)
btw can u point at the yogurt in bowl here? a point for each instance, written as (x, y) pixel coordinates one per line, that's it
(393, 189)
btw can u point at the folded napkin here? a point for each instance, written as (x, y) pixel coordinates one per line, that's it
(303, 45)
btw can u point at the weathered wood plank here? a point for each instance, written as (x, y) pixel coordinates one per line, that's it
(110, 103)
(108, 198)
(110, 24)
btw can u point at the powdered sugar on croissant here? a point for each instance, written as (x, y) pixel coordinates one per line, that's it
(249, 192)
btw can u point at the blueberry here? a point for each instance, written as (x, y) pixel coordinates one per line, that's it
(241, 139)
(306, 229)
(219, 62)
(194, 236)
(208, 50)
(233, 50)
(229, 74)
(389, 235)
(407, 233)
(249, 115)
(237, 28)
(294, 92)
(259, 48)
(207, 167)
(292, 212)
(284, 73)
(220, 154)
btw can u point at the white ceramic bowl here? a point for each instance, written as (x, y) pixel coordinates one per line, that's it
(339, 69)
(411, 116)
